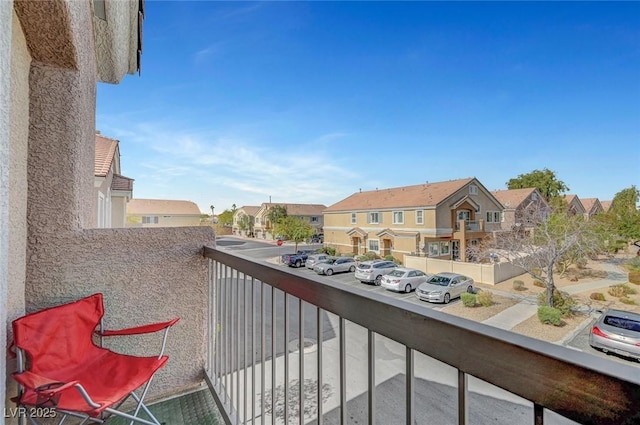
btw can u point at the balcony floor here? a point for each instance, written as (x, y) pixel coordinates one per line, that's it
(195, 408)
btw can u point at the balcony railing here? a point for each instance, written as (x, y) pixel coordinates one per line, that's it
(286, 348)
(473, 226)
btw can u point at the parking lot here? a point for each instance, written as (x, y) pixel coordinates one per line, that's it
(348, 278)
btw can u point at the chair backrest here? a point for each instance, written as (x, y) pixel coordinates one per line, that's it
(61, 336)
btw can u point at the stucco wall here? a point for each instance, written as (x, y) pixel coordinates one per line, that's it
(484, 273)
(146, 275)
(6, 9)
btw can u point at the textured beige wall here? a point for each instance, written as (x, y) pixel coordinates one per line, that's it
(6, 8)
(146, 275)
(118, 211)
(170, 221)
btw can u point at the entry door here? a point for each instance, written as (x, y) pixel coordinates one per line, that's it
(455, 250)
(355, 245)
(386, 247)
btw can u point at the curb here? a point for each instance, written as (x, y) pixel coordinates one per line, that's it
(568, 337)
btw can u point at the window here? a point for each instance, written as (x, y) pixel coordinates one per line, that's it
(464, 215)
(398, 217)
(257, 220)
(374, 245)
(420, 217)
(434, 249)
(444, 248)
(314, 219)
(534, 196)
(473, 189)
(354, 219)
(374, 218)
(150, 219)
(494, 216)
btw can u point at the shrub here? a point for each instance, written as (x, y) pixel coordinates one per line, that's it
(485, 298)
(621, 290)
(518, 285)
(634, 277)
(536, 271)
(539, 283)
(549, 315)
(390, 257)
(329, 250)
(633, 264)
(626, 300)
(598, 296)
(561, 301)
(581, 263)
(468, 300)
(370, 255)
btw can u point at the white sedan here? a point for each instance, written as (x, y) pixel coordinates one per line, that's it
(404, 279)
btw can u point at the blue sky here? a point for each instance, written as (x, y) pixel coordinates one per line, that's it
(308, 102)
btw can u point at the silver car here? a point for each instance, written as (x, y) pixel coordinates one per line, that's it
(372, 271)
(404, 279)
(442, 287)
(617, 331)
(335, 265)
(314, 259)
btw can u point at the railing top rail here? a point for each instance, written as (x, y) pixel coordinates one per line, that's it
(577, 385)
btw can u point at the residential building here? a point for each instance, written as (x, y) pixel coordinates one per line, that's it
(244, 219)
(522, 207)
(52, 55)
(592, 206)
(574, 206)
(439, 220)
(113, 190)
(311, 213)
(162, 213)
(606, 205)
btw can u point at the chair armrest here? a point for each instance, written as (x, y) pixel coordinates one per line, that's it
(48, 390)
(153, 327)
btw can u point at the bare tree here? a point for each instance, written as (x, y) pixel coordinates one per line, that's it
(546, 242)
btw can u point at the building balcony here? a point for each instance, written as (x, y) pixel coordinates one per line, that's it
(470, 226)
(286, 348)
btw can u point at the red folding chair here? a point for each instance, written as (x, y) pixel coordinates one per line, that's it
(61, 370)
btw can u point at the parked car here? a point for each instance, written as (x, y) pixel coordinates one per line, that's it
(442, 287)
(404, 279)
(372, 271)
(314, 259)
(317, 238)
(335, 265)
(298, 259)
(617, 331)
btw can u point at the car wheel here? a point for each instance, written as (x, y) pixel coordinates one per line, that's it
(352, 268)
(470, 289)
(329, 272)
(378, 280)
(407, 288)
(298, 263)
(447, 298)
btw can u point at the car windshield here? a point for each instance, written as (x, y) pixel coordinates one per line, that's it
(623, 323)
(397, 273)
(439, 280)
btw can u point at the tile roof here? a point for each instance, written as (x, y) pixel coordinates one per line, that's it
(250, 210)
(298, 209)
(589, 203)
(512, 198)
(105, 151)
(606, 205)
(121, 183)
(162, 206)
(421, 195)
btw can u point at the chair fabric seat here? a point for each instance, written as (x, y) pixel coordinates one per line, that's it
(108, 378)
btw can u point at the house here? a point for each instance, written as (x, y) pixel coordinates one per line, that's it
(574, 206)
(592, 206)
(112, 190)
(522, 207)
(439, 220)
(162, 213)
(243, 220)
(311, 213)
(52, 56)
(606, 205)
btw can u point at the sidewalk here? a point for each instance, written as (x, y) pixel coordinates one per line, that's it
(528, 306)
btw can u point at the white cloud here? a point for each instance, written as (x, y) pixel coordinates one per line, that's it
(208, 168)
